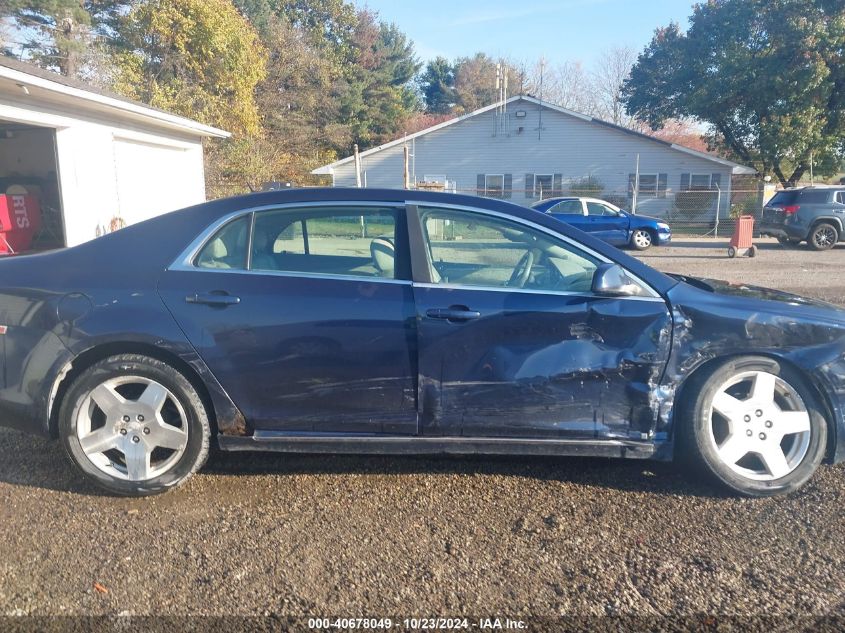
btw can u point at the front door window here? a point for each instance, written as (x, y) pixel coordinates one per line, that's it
(477, 250)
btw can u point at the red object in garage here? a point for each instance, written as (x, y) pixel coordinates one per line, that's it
(742, 242)
(20, 219)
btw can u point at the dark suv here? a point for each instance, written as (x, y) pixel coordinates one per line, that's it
(814, 214)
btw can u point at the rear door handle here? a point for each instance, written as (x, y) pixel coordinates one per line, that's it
(455, 313)
(213, 299)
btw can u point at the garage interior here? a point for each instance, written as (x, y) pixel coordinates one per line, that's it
(28, 166)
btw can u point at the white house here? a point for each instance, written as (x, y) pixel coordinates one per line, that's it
(526, 148)
(93, 159)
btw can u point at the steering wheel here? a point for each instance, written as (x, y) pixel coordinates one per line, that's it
(522, 271)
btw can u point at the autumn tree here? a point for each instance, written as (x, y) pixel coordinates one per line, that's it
(475, 82)
(199, 58)
(767, 75)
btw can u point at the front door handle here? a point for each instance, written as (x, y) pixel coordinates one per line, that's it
(453, 313)
(217, 298)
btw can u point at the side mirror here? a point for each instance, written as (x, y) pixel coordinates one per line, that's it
(611, 280)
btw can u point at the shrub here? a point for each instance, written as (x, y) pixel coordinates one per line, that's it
(589, 187)
(694, 203)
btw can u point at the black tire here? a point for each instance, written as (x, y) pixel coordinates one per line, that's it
(694, 446)
(197, 423)
(788, 241)
(823, 236)
(641, 239)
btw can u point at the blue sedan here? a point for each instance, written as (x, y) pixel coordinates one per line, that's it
(607, 221)
(397, 322)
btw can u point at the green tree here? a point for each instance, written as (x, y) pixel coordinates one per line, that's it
(57, 32)
(437, 84)
(767, 75)
(378, 95)
(199, 58)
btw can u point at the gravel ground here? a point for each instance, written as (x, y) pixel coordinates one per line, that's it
(322, 535)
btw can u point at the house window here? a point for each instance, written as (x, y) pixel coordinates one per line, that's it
(700, 182)
(648, 185)
(543, 185)
(494, 185)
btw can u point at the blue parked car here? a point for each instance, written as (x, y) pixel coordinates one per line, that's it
(397, 322)
(607, 221)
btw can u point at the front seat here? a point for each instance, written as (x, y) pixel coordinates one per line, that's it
(384, 256)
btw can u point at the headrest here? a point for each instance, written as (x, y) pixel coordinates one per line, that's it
(384, 255)
(218, 249)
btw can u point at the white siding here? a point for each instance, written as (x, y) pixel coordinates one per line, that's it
(566, 145)
(111, 168)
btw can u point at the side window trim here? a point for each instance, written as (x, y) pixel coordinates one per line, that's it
(249, 235)
(421, 261)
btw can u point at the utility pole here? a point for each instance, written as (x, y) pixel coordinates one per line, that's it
(357, 165)
(406, 174)
(636, 186)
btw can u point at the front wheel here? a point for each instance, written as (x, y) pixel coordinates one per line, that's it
(641, 239)
(754, 425)
(134, 425)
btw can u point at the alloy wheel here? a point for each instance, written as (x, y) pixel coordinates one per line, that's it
(824, 236)
(132, 428)
(759, 426)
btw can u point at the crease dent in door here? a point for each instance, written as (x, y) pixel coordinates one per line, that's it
(601, 375)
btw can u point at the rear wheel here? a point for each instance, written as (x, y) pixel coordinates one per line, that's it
(641, 239)
(134, 425)
(754, 426)
(823, 237)
(788, 241)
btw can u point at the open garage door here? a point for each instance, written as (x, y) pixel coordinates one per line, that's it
(151, 179)
(28, 167)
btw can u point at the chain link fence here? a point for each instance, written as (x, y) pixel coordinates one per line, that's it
(692, 212)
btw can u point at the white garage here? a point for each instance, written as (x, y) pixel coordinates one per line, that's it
(93, 161)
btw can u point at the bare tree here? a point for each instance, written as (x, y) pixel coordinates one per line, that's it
(566, 84)
(609, 73)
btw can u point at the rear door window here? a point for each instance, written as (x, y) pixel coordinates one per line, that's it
(840, 197)
(355, 242)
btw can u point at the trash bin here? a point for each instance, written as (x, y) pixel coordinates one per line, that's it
(20, 219)
(742, 241)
